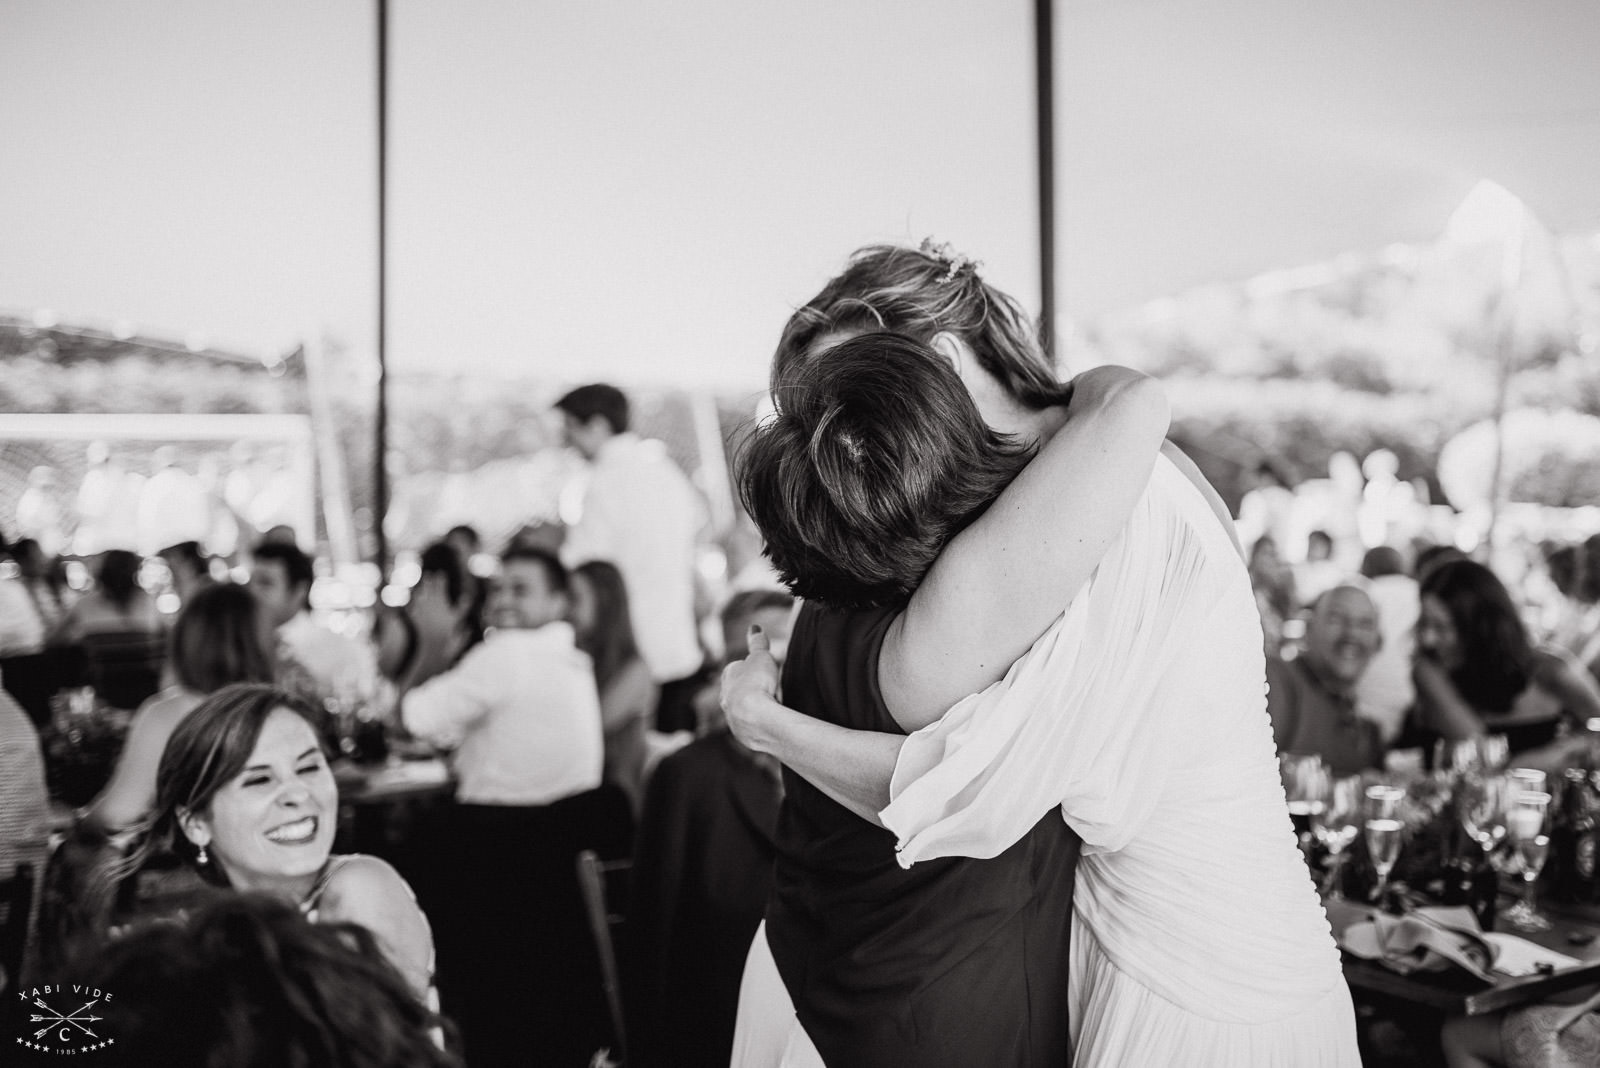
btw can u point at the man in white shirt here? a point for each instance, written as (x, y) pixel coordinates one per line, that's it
(640, 513)
(521, 710)
(314, 661)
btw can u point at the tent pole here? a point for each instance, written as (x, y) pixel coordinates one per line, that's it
(1044, 74)
(380, 471)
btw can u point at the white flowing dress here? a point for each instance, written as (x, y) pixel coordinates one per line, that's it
(1197, 937)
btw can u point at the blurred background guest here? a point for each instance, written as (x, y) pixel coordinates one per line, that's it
(219, 638)
(42, 575)
(22, 632)
(1477, 672)
(1384, 692)
(116, 605)
(628, 694)
(1319, 571)
(641, 513)
(24, 804)
(702, 871)
(246, 982)
(1312, 698)
(444, 568)
(313, 661)
(189, 568)
(1273, 582)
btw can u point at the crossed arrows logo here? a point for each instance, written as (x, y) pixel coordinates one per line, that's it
(55, 1019)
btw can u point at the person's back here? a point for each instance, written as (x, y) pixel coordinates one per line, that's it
(1159, 752)
(883, 962)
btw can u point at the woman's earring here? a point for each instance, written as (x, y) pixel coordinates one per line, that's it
(201, 858)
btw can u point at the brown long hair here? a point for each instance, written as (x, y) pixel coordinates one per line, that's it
(220, 638)
(609, 641)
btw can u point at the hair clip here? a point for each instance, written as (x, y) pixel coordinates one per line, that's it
(955, 263)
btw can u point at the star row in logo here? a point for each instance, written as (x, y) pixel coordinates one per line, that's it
(42, 1048)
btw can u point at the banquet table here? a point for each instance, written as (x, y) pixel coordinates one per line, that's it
(1575, 932)
(395, 809)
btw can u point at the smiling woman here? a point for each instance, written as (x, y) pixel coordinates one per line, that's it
(245, 796)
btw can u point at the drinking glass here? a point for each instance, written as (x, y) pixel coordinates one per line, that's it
(1528, 780)
(1335, 826)
(1528, 822)
(1494, 753)
(1305, 783)
(1383, 845)
(1481, 803)
(1456, 758)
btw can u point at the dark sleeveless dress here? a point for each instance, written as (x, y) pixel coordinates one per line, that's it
(954, 962)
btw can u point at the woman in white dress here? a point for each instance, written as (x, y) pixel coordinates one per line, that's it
(1197, 937)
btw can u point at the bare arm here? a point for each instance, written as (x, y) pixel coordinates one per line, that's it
(1001, 582)
(368, 892)
(852, 767)
(1439, 705)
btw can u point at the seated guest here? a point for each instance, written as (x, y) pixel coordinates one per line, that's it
(628, 695)
(1385, 692)
(245, 797)
(313, 661)
(1477, 672)
(116, 605)
(445, 570)
(45, 581)
(1312, 698)
(22, 632)
(190, 570)
(219, 638)
(121, 633)
(1273, 583)
(521, 712)
(24, 804)
(246, 982)
(702, 871)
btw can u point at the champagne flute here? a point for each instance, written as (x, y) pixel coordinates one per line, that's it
(1530, 841)
(1305, 782)
(1494, 753)
(1335, 826)
(1383, 845)
(1456, 758)
(1481, 802)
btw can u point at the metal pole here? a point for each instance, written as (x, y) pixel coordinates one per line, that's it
(1044, 71)
(380, 471)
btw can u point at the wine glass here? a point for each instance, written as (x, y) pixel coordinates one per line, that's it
(1335, 826)
(1457, 757)
(1481, 802)
(1528, 780)
(1527, 821)
(1383, 845)
(1494, 753)
(1305, 783)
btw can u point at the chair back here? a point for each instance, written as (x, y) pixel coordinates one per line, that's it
(125, 666)
(16, 895)
(601, 883)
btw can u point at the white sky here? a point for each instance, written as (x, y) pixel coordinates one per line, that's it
(617, 189)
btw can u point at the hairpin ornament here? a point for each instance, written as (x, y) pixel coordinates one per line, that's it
(955, 263)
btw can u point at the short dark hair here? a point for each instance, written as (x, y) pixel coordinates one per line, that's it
(441, 558)
(297, 566)
(119, 576)
(555, 572)
(608, 402)
(220, 638)
(245, 980)
(467, 531)
(188, 552)
(1382, 560)
(875, 457)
